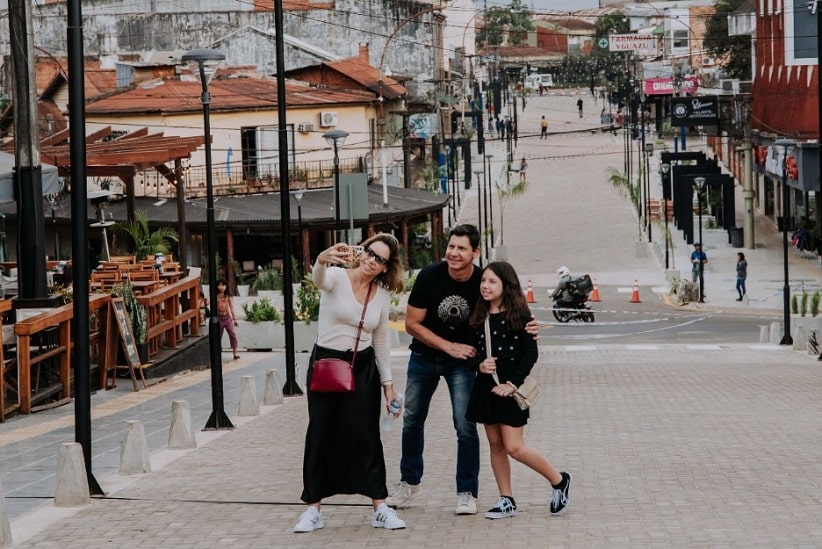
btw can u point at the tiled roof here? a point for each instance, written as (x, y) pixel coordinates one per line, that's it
(369, 77)
(177, 96)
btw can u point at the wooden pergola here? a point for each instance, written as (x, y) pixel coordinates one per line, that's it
(110, 156)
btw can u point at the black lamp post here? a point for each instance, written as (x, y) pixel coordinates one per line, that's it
(206, 60)
(646, 171)
(700, 186)
(298, 196)
(786, 215)
(479, 174)
(336, 139)
(489, 208)
(666, 169)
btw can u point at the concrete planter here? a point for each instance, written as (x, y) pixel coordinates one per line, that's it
(260, 335)
(305, 336)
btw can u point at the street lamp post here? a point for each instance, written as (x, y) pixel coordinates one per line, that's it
(298, 196)
(700, 185)
(206, 60)
(336, 139)
(649, 150)
(786, 144)
(489, 208)
(479, 174)
(666, 169)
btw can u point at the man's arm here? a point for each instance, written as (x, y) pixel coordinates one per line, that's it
(413, 326)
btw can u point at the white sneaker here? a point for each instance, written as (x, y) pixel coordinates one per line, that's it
(310, 520)
(386, 517)
(402, 494)
(466, 504)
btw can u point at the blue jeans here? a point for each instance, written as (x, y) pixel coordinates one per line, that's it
(740, 286)
(424, 374)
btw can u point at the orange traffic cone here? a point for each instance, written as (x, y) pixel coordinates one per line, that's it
(529, 295)
(635, 293)
(595, 293)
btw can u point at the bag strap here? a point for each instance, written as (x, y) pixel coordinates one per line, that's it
(488, 346)
(362, 321)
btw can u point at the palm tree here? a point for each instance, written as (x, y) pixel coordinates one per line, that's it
(146, 242)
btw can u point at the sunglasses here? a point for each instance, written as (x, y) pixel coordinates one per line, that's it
(378, 258)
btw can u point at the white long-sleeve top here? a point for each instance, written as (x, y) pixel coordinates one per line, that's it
(340, 314)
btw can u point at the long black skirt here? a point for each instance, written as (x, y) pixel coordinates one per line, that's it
(343, 451)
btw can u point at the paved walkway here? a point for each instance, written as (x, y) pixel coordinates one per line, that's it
(670, 445)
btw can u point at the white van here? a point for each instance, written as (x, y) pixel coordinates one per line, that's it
(532, 81)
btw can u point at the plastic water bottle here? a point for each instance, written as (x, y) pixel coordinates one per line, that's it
(394, 407)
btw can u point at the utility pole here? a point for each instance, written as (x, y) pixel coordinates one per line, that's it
(28, 176)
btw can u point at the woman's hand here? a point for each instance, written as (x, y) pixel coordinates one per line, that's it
(532, 328)
(335, 255)
(390, 394)
(236, 324)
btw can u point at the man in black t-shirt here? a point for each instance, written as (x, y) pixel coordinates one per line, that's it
(443, 296)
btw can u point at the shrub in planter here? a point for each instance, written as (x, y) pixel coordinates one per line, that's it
(803, 304)
(261, 311)
(794, 304)
(307, 307)
(815, 303)
(267, 280)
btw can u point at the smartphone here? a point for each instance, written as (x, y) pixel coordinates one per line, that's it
(354, 253)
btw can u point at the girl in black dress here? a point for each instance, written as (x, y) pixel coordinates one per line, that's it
(513, 353)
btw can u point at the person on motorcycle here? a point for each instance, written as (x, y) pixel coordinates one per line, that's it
(562, 293)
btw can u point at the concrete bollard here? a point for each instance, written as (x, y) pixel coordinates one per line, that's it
(181, 435)
(776, 333)
(800, 339)
(133, 449)
(71, 488)
(764, 334)
(273, 389)
(5, 526)
(248, 398)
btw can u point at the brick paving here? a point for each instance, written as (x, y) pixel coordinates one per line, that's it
(670, 445)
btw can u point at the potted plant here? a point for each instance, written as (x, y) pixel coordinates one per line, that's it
(262, 327)
(269, 283)
(137, 315)
(306, 309)
(146, 242)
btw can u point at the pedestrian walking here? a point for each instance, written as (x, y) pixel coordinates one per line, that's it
(511, 357)
(226, 316)
(343, 451)
(523, 167)
(579, 106)
(440, 303)
(543, 124)
(500, 128)
(698, 261)
(741, 275)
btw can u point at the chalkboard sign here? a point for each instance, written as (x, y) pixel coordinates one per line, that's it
(123, 322)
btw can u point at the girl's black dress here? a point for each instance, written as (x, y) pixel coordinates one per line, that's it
(516, 353)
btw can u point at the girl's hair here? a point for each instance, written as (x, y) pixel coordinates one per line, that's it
(741, 255)
(227, 292)
(391, 279)
(517, 313)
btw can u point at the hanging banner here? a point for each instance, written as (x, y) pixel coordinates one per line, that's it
(665, 86)
(695, 111)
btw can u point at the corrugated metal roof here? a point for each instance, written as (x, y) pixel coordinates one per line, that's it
(261, 209)
(174, 96)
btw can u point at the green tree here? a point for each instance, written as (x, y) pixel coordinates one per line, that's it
(515, 18)
(733, 53)
(147, 242)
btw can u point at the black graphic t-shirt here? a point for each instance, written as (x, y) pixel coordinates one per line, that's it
(448, 304)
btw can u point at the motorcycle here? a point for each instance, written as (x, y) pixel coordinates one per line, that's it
(578, 309)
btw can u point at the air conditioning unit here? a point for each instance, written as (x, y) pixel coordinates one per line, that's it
(305, 127)
(729, 86)
(328, 119)
(707, 61)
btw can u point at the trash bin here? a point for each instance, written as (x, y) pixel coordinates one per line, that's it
(737, 237)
